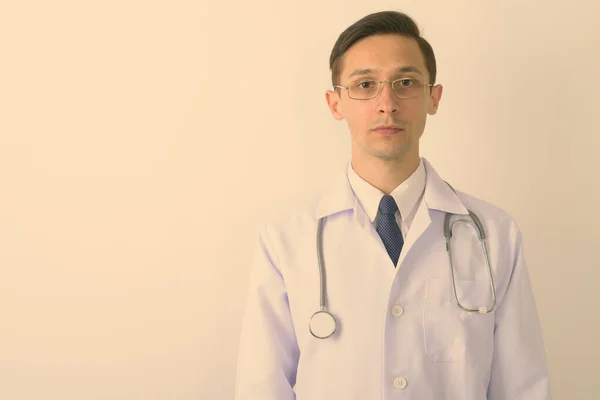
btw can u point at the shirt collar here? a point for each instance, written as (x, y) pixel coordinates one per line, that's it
(437, 195)
(406, 194)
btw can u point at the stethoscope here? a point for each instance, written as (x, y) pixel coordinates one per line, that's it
(322, 324)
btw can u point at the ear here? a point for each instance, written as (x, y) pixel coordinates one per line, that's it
(434, 100)
(335, 105)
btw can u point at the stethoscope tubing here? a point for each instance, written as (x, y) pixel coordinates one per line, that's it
(448, 236)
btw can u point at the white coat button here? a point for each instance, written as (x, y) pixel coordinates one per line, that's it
(397, 310)
(399, 383)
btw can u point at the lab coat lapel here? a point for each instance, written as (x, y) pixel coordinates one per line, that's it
(420, 224)
(340, 197)
(437, 197)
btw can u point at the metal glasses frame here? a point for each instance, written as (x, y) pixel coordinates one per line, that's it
(381, 88)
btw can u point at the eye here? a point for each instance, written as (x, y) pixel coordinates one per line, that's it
(371, 83)
(406, 82)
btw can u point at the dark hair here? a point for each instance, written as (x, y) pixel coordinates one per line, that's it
(379, 23)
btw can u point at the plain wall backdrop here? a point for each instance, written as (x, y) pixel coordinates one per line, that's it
(140, 140)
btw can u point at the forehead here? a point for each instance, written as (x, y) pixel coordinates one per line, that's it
(385, 55)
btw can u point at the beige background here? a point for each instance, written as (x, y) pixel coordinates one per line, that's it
(140, 140)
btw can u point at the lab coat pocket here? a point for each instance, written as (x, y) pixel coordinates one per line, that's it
(452, 334)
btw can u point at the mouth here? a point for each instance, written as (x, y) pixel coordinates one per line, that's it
(387, 131)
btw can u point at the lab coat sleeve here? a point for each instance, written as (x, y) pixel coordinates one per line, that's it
(519, 370)
(268, 350)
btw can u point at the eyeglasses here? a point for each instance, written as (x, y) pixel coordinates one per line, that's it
(365, 89)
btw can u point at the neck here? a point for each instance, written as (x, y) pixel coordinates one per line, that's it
(386, 175)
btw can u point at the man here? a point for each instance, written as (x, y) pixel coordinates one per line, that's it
(401, 332)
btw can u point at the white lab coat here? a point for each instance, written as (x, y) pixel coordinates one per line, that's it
(400, 334)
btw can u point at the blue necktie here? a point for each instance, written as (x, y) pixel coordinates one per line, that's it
(388, 229)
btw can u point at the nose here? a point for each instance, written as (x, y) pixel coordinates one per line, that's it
(388, 101)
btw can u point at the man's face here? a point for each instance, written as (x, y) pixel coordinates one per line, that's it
(384, 53)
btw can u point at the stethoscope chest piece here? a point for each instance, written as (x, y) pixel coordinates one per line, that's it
(322, 325)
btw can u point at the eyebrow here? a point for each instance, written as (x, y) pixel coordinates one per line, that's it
(366, 71)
